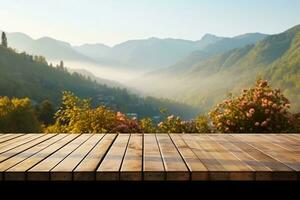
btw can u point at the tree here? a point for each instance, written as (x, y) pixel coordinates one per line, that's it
(18, 116)
(46, 112)
(61, 64)
(4, 40)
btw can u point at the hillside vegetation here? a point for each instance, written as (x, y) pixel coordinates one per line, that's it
(203, 80)
(23, 75)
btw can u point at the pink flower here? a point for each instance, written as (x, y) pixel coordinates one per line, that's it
(274, 106)
(249, 115)
(257, 123)
(267, 111)
(252, 111)
(265, 123)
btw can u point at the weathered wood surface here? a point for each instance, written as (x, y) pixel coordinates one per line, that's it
(149, 157)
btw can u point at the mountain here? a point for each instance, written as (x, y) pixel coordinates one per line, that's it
(207, 40)
(203, 79)
(53, 50)
(146, 54)
(227, 44)
(24, 75)
(141, 55)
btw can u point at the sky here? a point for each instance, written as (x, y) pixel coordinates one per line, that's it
(114, 21)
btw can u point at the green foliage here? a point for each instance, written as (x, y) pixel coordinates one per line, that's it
(202, 124)
(259, 109)
(147, 125)
(45, 112)
(18, 116)
(23, 75)
(203, 80)
(77, 116)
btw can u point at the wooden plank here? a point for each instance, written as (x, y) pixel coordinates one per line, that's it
(28, 153)
(11, 144)
(283, 142)
(153, 166)
(175, 166)
(293, 137)
(64, 170)
(41, 171)
(6, 155)
(236, 168)
(288, 158)
(262, 172)
(86, 170)
(131, 169)
(196, 167)
(6, 137)
(19, 171)
(10, 137)
(280, 170)
(110, 166)
(216, 170)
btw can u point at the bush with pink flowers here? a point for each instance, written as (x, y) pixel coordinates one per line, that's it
(259, 109)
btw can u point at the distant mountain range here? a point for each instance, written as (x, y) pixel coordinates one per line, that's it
(142, 55)
(205, 77)
(200, 73)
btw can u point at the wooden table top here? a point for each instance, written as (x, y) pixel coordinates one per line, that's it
(149, 157)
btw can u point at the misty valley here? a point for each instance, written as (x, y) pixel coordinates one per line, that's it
(152, 85)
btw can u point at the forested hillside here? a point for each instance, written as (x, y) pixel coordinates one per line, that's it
(23, 75)
(204, 80)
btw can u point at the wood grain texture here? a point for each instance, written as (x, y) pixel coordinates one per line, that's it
(41, 171)
(20, 171)
(196, 167)
(85, 171)
(149, 157)
(153, 166)
(131, 169)
(64, 170)
(110, 167)
(175, 166)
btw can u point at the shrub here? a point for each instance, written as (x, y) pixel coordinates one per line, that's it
(259, 109)
(147, 126)
(202, 125)
(77, 116)
(18, 115)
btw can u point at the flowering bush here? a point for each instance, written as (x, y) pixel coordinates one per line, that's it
(258, 110)
(174, 124)
(202, 125)
(125, 125)
(77, 116)
(147, 126)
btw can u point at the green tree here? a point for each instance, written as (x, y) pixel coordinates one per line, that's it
(18, 116)
(4, 40)
(45, 112)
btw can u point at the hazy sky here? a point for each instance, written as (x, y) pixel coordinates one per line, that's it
(115, 21)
